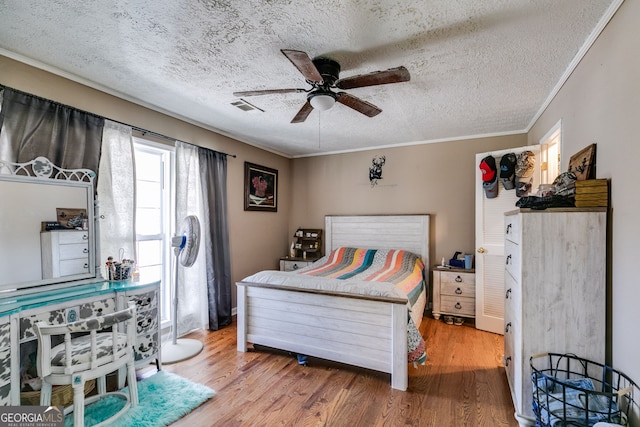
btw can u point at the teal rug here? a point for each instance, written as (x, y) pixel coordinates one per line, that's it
(164, 398)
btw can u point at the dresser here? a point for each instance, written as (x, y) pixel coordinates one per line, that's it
(64, 253)
(454, 292)
(19, 314)
(555, 292)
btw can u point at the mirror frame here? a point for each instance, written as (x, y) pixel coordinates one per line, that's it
(42, 171)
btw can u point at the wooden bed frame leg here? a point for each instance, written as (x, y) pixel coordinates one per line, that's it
(399, 369)
(242, 317)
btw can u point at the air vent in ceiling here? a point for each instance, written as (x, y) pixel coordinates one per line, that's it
(245, 106)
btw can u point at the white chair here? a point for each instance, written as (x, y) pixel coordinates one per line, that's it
(88, 356)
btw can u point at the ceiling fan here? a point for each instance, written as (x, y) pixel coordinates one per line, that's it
(322, 74)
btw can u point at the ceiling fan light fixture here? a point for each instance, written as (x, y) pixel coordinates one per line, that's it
(322, 102)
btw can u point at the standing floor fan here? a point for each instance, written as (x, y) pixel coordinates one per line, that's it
(186, 249)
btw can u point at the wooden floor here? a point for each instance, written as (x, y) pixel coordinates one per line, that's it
(462, 384)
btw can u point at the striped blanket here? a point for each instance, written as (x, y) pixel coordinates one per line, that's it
(401, 268)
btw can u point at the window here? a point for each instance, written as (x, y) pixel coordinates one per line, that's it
(154, 212)
(550, 154)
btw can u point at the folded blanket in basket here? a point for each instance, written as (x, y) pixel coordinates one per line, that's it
(559, 402)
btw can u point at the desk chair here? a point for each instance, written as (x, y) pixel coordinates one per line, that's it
(86, 357)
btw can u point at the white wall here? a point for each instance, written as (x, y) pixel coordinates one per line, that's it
(600, 103)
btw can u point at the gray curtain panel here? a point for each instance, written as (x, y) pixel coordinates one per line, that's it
(213, 176)
(33, 126)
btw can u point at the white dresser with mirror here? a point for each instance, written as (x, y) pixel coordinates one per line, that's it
(52, 271)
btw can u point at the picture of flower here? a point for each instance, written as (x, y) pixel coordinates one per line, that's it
(261, 186)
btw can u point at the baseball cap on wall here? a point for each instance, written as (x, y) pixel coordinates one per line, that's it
(508, 170)
(488, 168)
(491, 188)
(525, 163)
(524, 172)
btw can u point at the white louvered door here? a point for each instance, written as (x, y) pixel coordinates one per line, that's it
(489, 259)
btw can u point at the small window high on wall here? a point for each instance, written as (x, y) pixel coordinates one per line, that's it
(550, 154)
(154, 165)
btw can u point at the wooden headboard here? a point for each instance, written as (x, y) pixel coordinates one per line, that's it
(408, 232)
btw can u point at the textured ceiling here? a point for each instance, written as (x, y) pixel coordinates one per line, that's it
(477, 67)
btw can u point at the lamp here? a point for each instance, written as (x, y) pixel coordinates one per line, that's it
(322, 102)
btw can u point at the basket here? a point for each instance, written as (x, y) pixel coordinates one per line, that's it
(61, 395)
(572, 391)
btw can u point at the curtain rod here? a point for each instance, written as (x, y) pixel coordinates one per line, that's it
(159, 135)
(142, 131)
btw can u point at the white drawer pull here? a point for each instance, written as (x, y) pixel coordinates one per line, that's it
(459, 291)
(458, 279)
(458, 306)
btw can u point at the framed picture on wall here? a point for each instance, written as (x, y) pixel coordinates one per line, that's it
(260, 188)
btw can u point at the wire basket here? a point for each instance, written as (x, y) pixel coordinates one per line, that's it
(118, 272)
(61, 395)
(572, 391)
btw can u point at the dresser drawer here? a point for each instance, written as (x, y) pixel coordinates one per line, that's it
(145, 301)
(5, 366)
(75, 250)
(69, 237)
(74, 266)
(512, 229)
(5, 394)
(59, 316)
(146, 346)
(458, 305)
(5, 333)
(512, 259)
(147, 321)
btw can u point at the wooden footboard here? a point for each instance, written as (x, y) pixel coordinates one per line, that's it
(370, 332)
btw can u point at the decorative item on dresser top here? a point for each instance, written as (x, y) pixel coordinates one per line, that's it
(454, 292)
(555, 291)
(332, 311)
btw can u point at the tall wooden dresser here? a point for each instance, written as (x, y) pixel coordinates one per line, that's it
(555, 291)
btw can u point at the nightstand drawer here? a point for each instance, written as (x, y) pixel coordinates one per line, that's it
(458, 290)
(461, 306)
(457, 278)
(293, 265)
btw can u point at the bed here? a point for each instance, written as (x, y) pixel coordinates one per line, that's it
(360, 322)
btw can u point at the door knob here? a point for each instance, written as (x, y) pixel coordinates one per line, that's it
(481, 250)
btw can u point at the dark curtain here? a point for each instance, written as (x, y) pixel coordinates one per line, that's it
(213, 176)
(33, 126)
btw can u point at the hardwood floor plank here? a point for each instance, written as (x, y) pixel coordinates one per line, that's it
(462, 384)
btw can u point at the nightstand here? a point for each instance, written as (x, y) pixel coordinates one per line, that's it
(454, 292)
(294, 263)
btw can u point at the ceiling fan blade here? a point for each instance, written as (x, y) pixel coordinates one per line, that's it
(358, 104)
(304, 64)
(393, 75)
(303, 113)
(266, 92)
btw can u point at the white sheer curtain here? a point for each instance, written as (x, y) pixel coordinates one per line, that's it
(192, 283)
(116, 193)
